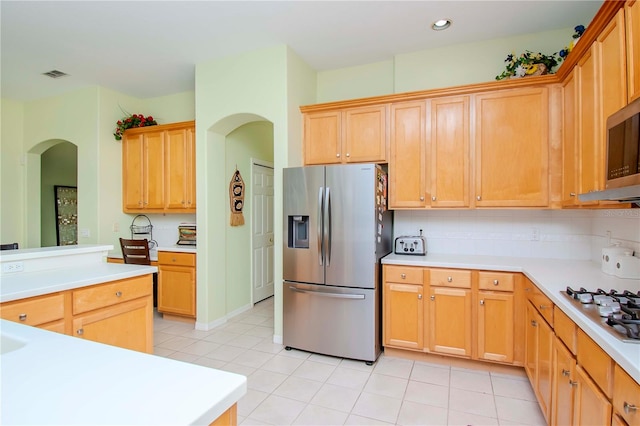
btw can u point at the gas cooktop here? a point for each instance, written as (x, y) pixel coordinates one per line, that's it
(618, 312)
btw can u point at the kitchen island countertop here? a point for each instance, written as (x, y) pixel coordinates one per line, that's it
(59, 379)
(552, 276)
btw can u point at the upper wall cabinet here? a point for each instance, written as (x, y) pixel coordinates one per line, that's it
(511, 148)
(158, 169)
(351, 135)
(632, 15)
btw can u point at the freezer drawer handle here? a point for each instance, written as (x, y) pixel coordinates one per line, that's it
(336, 295)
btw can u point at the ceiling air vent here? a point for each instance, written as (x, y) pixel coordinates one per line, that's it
(55, 74)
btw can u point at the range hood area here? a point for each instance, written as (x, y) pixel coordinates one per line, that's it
(627, 194)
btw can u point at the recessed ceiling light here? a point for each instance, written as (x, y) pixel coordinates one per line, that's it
(441, 24)
(55, 74)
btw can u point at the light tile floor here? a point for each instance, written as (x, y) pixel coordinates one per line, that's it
(301, 388)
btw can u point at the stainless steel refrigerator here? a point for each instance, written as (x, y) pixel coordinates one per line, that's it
(337, 227)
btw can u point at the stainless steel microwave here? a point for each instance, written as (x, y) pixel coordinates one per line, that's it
(623, 157)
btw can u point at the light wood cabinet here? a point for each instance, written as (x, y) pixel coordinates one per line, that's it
(495, 326)
(591, 406)
(449, 134)
(626, 397)
(403, 307)
(570, 117)
(596, 362)
(118, 313)
(512, 144)
(352, 135)
(632, 19)
(449, 312)
(563, 385)
(158, 169)
(42, 311)
(177, 283)
(407, 186)
(539, 357)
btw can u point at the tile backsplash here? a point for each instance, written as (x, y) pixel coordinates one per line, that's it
(165, 227)
(562, 234)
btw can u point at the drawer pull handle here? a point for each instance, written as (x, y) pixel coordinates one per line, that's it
(573, 383)
(118, 293)
(433, 198)
(348, 155)
(449, 279)
(572, 194)
(496, 282)
(432, 298)
(337, 155)
(419, 297)
(403, 276)
(534, 323)
(482, 302)
(528, 289)
(173, 259)
(543, 307)
(629, 407)
(565, 373)
(80, 331)
(421, 198)
(22, 317)
(478, 198)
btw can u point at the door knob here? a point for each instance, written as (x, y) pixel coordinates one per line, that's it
(496, 282)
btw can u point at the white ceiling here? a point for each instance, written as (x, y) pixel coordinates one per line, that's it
(150, 48)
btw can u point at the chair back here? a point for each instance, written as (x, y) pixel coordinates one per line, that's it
(135, 252)
(12, 246)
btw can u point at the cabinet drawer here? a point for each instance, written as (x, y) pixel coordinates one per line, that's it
(450, 278)
(35, 310)
(542, 303)
(497, 281)
(626, 393)
(113, 293)
(403, 274)
(596, 362)
(174, 258)
(565, 329)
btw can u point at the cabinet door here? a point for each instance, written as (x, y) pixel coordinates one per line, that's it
(403, 315)
(127, 325)
(191, 168)
(495, 326)
(632, 14)
(591, 406)
(133, 172)
(449, 152)
(626, 396)
(450, 321)
(322, 138)
(177, 177)
(589, 125)
(407, 165)
(34, 311)
(531, 340)
(177, 290)
(545, 366)
(511, 145)
(569, 142)
(366, 138)
(563, 382)
(154, 170)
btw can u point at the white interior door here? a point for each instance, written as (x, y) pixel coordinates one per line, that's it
(262, 230)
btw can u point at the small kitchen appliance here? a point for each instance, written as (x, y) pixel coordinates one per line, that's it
(411, 245)
(187, 234)
(609, 256)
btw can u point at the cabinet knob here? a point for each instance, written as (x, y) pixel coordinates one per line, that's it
(419, 296)
(572, 194)
(173, 259)
(543, 307)
(478, 198)
(449, 279)
(496, 282)
(403, 276)
(573, 383)
(432, 298)
(22, 317)
(348, 155)
(565, 373)
(433, 198)
(118, 293)
(80, 331)
(421, 198)
(628, 408)
(482, 302)
(534, 323)
(338, 155)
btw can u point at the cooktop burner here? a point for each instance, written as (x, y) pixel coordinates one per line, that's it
(618, 312)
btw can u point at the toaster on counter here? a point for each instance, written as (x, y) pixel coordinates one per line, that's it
(411, 245)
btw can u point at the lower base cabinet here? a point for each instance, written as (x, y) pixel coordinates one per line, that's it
(450, 321)
(495, 326)
(404, 315)
(177, 284)
(591, 406)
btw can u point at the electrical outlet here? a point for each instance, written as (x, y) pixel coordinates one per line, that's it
(116, 227)
(608, 238)
(535, 234)
(10, 267)
(85, 233)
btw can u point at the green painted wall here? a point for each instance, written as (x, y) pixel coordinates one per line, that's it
(374, 79)
(12, 176)
(59, 166)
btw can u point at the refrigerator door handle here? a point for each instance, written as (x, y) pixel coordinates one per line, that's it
(320, 226)
(334, 295)
(327, 225)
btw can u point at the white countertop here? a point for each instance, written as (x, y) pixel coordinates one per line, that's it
(552, 276)
(45, 252)
(28, 284)
(59, 379)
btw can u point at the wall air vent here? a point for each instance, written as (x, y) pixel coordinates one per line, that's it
(55, 74)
